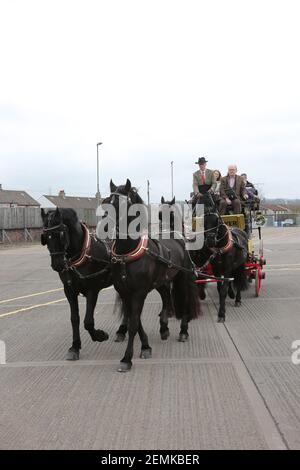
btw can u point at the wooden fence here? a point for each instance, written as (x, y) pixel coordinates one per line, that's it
(30, 217)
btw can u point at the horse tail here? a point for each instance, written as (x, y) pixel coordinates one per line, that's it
(185, 295)
(119, 307)
(193, 297)
(240, 279)
(178, 295)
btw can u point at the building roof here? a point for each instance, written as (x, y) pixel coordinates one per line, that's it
(274, 207)
(19, 198)
(45, 203)
(74, 202)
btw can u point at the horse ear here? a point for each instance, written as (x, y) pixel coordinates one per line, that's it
(113, 187)
(128, 185)
(173, 201)
(162, 200)
(43, 214)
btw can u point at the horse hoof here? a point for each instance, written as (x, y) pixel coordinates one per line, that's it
(100, 336)
(124, 367)
(146, 353)
(237, 303)
(183, 337)
(221, 319)
(165, 335)
(119, 338)
(203, 296)
(72, 355)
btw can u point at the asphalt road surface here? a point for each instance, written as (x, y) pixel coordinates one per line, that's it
(231, 386)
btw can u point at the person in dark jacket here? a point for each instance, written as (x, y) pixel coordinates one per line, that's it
(251, 191)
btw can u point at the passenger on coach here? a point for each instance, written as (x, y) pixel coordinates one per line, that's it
(232, 191)
(216, 191)
(251, 191)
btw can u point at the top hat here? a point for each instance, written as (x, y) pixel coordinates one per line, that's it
(201, 161)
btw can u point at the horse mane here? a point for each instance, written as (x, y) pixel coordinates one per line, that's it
(134, 194)
(127, 190)
(68, 215)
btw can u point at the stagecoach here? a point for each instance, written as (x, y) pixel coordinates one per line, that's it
(250, 220)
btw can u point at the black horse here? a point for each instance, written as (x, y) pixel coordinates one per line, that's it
(198, 257)
(164, 290)
(171, 220)
(83, 265)
(141, 264)
(166, 226)
(227, 251)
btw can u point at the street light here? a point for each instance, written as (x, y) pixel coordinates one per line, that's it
(98, 190)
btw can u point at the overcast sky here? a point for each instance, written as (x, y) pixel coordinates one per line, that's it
(156, 81)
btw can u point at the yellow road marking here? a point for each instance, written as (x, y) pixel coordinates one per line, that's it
(32, 307)
(36, 306)
(31, 295)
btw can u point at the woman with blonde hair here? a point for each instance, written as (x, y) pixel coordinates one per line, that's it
(216, 191)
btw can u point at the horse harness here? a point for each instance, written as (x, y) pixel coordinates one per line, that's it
(229, 245)
(164, 256)
(85, 255)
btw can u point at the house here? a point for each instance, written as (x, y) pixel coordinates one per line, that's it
(273, 209)
(13, 198)
(75, 202)
(294, 207)
(20, 218)
(85, 207)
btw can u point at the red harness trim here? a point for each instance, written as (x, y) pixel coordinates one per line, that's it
(228, 245)
(86, 248)
(137, 253)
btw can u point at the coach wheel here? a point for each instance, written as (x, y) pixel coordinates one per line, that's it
(258, 281)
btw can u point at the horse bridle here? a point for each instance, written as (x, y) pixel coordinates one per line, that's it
(220, 224)
(124, 196)
(115, 193)
(64, 237)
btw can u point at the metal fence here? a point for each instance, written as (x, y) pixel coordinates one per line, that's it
(12, 218)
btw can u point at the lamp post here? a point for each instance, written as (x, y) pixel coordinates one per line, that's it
(172, 179)
(98, 190)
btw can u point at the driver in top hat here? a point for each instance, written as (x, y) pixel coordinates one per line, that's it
(204, 179)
